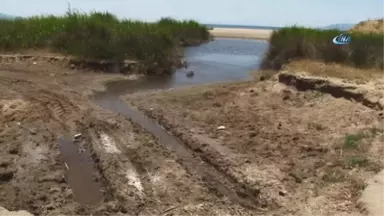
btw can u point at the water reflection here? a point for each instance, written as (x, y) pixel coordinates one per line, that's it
(218, 61)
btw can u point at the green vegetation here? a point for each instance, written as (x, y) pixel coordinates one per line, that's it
(286, 44)
(101, 36)
(359, 161)
(352, 140)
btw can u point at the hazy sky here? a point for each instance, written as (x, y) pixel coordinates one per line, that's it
(246, 12)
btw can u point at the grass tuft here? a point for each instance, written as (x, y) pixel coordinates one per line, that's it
(351, 141)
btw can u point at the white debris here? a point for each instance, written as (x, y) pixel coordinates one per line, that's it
(34, 63)
(134, 180)
(4, 211)
(66, 166)
(109, 144)
(151, 108)
(221, 127)
(77, 135)
(18, 123)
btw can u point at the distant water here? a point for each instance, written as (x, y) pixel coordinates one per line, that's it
(242, 26)
(222, 60)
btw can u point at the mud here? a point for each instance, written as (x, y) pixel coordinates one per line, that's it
(194, 165)
(303, 152)
(80, 170)
(136, 173)
(283, 151)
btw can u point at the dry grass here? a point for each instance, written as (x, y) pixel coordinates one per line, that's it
(369, 26)
(316, 68)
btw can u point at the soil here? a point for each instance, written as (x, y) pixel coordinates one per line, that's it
(303, 147)
(42, 101)
(250, 148)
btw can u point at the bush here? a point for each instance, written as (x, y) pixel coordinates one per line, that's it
(286, 44)
(100, 36)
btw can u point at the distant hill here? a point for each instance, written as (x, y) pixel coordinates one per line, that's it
(369, 26)
(340, 26)
(6, 16)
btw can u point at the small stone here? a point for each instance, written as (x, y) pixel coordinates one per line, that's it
(282, 193)
(6, 176)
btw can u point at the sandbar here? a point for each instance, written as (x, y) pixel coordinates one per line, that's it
(260, 34)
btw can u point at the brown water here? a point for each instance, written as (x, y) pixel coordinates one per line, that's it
(80, 173)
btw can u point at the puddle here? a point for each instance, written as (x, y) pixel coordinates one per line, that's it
(80, 173)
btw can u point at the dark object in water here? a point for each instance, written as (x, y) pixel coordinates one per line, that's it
(190, 73)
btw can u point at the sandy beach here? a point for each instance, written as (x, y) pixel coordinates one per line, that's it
(262, 34)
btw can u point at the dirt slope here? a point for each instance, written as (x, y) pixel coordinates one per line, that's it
(369, 26)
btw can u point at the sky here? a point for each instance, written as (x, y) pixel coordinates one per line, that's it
(312, 13)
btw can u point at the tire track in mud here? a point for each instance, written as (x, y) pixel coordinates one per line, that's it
(216, 181)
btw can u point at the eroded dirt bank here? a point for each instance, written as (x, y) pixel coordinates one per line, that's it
(302, 149)
(42, 101)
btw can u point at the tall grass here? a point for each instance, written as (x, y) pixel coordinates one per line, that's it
(286, 44)
(100, 36)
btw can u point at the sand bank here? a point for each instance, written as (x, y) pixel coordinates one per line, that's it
(262, 34)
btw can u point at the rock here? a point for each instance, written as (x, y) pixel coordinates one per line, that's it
(5, 212)
(283, 192)
(190, 74)
(6, 175)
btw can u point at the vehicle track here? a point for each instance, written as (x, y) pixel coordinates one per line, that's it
(217, 181)
(64, 111)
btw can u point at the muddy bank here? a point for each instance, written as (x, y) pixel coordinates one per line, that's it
(302, 152)
(136, 174)
(126, 67)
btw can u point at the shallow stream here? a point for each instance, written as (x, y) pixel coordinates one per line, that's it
(222, 60)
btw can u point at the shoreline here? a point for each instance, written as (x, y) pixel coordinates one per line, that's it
(258, 34)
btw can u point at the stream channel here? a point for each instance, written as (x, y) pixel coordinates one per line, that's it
(222, 60)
